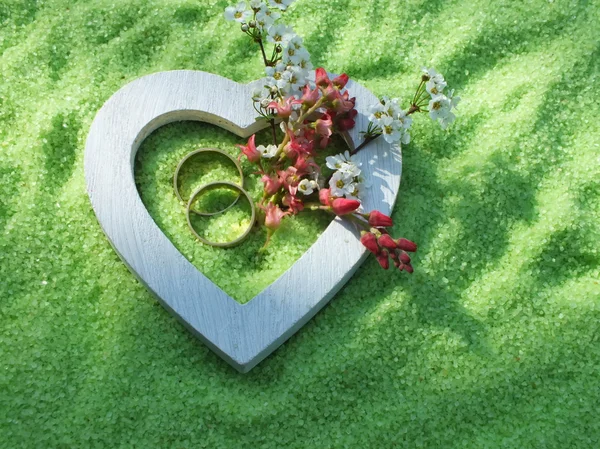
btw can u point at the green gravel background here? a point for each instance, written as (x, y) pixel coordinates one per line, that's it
(493, 342)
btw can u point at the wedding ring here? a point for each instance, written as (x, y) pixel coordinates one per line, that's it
(215, 186)
(188, 157)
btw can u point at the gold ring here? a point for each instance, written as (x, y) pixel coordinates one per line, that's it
(214, 186)
(192, 154)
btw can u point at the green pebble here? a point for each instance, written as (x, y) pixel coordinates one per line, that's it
(491, 343)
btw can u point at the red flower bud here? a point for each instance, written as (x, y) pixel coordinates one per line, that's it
(408, 268)
(405, 258)
(383, 260)
(340, 81)
(321, 78)
(406, 245)
(378, 219)
(369, 241)
(386, 241)
(344, 206)
(324, 197)
(345, 124)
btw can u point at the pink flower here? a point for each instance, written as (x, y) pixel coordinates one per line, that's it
(250, 150)
(273, 216)
(293, 203)
(290, 178)
(344, 206)
(298, 146)
(321, 78)
(343, 103)
(379, 220)
(284, 110)
(332, 94)
(325, 197)
(369, 240)
(340, 81)
(323, 127)
(272, 184)
(304, 163)
(309, 97)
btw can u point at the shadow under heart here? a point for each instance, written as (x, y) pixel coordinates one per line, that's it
(242, 271)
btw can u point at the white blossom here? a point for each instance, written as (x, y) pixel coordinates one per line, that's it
(267, 152)
(377, 113)
(307, 186)
(345, 163)
(335, 162)
(391, 106)
(341, 184)
(281, 4)
(359, 191)
(239, 13)
(304, 63)
(263, 21)
(391, 120)
(405, 123)
(275, 74)
(295, 52)
(346, 180)
(256, 4)
(280, 34)
(292, 80)
(440, 108)
(265, 18)
(259, 94)
(436, 83)
(390, 129)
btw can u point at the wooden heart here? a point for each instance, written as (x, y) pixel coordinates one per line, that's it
(245, 334)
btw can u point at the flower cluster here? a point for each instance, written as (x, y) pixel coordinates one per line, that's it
(379, 242)
(389, 119)
(440, 105)
(288, 170)
(310, 109)
(289, 66)
(347, 180)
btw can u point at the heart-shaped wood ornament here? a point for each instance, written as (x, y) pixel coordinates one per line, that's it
(245, 334)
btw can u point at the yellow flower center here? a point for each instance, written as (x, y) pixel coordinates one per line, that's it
(340, 184)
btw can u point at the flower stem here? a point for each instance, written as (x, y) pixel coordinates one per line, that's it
(310, 111)
(273, 131)
(262, 49)
(365, 142)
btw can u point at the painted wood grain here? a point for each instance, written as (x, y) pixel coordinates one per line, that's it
(243, 335)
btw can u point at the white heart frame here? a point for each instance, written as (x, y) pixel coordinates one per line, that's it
(242, 334)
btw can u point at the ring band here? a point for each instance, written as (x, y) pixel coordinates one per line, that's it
(214, 186)
(207, 150)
